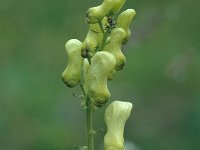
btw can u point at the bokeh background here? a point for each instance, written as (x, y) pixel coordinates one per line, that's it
(161, 78)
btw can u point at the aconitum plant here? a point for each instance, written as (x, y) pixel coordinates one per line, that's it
(94, 61)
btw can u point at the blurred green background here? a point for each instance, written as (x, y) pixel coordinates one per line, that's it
(161, 78)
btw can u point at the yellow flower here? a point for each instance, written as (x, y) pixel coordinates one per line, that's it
(102, 63)
(92, 40)
(115, 117)
(114, 47)
(124, 21)
(72, 73)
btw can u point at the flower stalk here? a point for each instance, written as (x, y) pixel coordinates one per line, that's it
(89, 124)
(94, 61)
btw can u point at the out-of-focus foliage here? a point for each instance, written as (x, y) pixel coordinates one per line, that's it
(161, 77)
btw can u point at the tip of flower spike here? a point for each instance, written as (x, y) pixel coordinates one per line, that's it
(91, 17)
(131, 12)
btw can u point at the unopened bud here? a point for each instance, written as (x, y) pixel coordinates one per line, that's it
(72, 73)
(92, 41)
(124, 21)
(115, 117)
(114, 47)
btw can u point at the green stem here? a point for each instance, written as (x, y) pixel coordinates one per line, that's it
(90, 132)
(101, 27)
(89, 125)
(105, 35)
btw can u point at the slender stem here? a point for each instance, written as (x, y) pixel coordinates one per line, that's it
(82, 89)
(89, 125)
(90, 132)
(101, 27)
(105, 35)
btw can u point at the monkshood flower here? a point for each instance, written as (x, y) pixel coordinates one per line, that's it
(114, 47)
(92, 41)
(116, 116)
(72, 74)
(102, 63)
(124, 20)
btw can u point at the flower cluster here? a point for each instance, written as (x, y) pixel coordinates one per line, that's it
(96, 59)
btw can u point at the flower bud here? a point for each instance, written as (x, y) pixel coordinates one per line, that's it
(115, 117)
(124, 21)
(96, 14)
(102, 63)
(114, 47)
(92, 41)
(72, 73)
